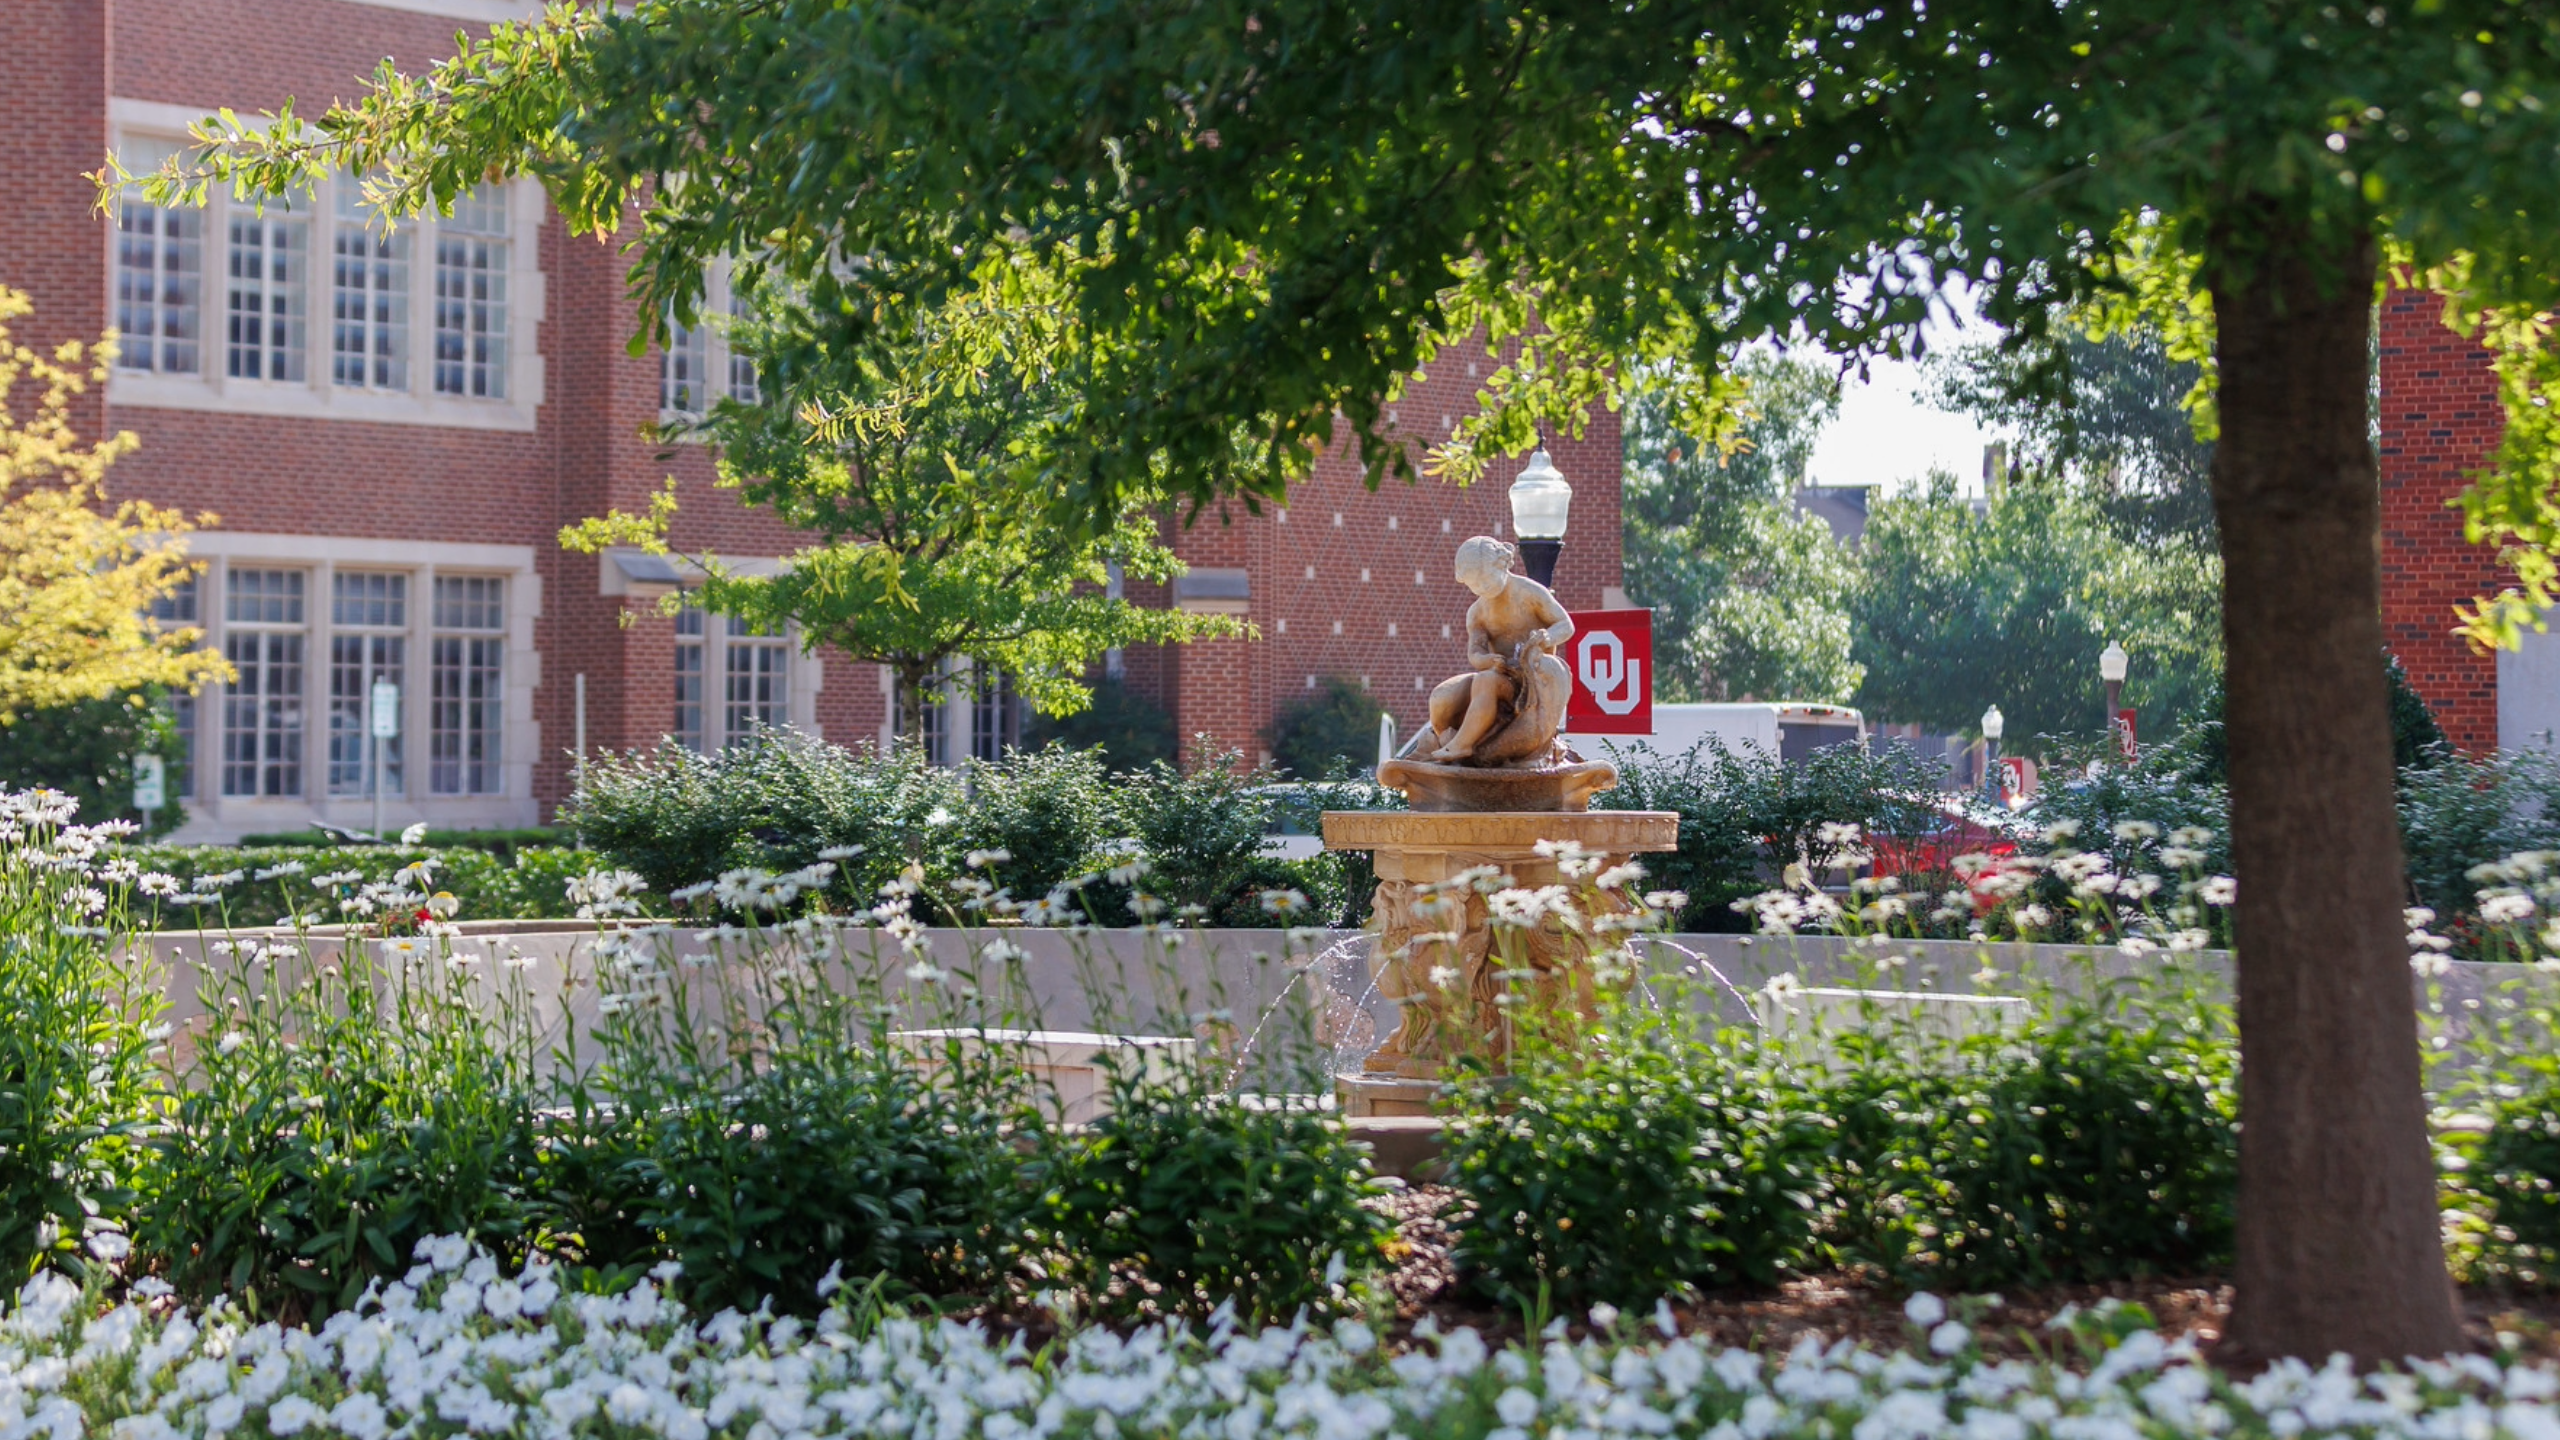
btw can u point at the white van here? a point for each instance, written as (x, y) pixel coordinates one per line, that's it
(1789, 731)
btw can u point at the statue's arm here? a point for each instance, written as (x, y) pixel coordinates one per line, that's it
(1559, 625)
(1480, 652)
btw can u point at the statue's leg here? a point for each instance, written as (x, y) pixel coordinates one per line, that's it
(1484, 707)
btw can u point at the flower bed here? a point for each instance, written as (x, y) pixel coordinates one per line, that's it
(457, 1346)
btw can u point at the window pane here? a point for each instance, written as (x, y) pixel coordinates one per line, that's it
(465, 715)
(262, 714)
(994, 720)
(471, 602)
(369, 598)
(471, 316)
(684, 368)
(263, 597)
(355, 663)
(688, 726)
(265, 332)
(178, 607)
(158, 279)
(742, 371)
(369, 298)
(758, 687)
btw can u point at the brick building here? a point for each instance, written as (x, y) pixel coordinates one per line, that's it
(2439, 420)
(393, 428)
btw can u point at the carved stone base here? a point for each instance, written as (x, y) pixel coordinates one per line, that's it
(1463, 989)
(1367, 1096)
(1435, 788)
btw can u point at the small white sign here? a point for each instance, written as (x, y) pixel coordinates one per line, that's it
(386, 710)
(150, 782)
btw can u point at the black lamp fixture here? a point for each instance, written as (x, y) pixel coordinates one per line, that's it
(1539, 500)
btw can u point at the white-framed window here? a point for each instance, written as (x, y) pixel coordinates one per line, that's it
(176, 610)
(159, 276)
(471, 297)
(368, 296)
(264, 629)
(264, 290)
(466, 721)
(312, 306)
(969, 714)
(995, 718)
(750, 667)
(699, 366)
(368, 642)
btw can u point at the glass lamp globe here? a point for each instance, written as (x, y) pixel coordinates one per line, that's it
(1992, 724)
(2112, 663)
(1539, 499)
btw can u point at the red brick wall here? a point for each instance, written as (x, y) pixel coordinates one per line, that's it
(2440, 418)
(53, 97)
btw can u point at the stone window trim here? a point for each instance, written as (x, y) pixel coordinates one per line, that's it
(320, 559)
(413, 397)
(697, 369)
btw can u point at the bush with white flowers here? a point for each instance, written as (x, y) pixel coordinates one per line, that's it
(458, 1347)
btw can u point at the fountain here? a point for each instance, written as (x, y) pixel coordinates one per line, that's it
(1489, 782)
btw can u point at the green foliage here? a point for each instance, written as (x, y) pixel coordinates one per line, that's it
(1123, 726)
(1184, 1197)
(334, 1113)
(1329, 727)
(1659, 1158)
(1749, 598)
(1960, 610)
(258, 887)
(1745, 816)
(765, 1128)
(506, 844)
(2101, 1143)
(76, 1081)
(924, 460)
(2108, 413)
(2464, 812)
(86, 749)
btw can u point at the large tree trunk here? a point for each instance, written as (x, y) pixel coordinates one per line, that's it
(2338, 1245)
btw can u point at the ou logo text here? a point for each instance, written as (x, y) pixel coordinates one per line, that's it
(1612, 664)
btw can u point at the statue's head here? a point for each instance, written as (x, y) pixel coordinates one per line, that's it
(1483, 564)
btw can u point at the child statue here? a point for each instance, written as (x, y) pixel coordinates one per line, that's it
(1506, 710)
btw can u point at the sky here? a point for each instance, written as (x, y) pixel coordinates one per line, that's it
(1886, 435)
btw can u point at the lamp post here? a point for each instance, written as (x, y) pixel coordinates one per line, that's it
(1539, 499)
(2112, 664)
(1992, 725)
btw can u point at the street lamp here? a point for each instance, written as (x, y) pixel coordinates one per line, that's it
(2112, 663)
(1992, 725)
(1539, 499)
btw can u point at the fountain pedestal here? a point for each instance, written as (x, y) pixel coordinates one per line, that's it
(1447, 990)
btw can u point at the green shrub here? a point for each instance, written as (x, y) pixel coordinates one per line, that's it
(250, 888)
(506, 844)
(1333, 725)
(1745, 815)
(2100, 1141)
(1656, 1159)
(1185, 1197)
(765, 1128)
(1125, 729)
(333, 1115)
(76, 1075)
(86, 749)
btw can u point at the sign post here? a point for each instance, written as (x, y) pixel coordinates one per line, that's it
(1611, 660)
(150, 787)
(384, 715)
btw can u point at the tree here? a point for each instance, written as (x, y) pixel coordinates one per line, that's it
(77, 580)
(924, 462)
(1288, 207)
(86, 749)
(1957, 609)
(1132, 731)
(1748, 595)
(2123, 424)
(1335, 726)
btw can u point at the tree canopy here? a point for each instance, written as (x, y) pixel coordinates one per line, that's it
(1747, 594)
(923, 465)
(78, 576)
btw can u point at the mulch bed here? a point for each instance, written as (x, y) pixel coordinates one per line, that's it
(1831, 1307)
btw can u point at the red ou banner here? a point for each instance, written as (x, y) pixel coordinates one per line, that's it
(1611, 660)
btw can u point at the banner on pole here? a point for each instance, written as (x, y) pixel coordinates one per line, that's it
(1611, 660)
